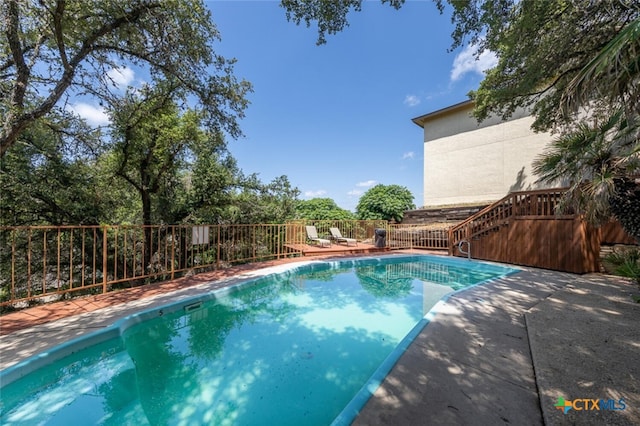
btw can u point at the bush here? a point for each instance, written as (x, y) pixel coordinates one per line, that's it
(625, 263)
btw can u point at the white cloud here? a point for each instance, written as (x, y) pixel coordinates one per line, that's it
(315, 194)
(409, 154)
(355, 193)
(92, 114)
(411, 100)
(466, 62)
(366, 184)
(121, 77)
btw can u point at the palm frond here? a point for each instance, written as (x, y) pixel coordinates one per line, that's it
(611, 75)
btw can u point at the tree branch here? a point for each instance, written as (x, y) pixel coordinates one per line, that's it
(17, 120)
(57, 27)
(22, 75)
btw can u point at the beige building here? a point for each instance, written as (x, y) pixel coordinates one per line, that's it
(466, 162)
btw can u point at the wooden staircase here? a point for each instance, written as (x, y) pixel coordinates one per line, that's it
(523, 229)
(499, 214)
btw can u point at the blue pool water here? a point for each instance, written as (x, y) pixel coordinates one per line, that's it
(288, 349)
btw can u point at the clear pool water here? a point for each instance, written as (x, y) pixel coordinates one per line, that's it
(288, 349)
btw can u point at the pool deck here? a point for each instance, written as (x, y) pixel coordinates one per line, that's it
(498, 353)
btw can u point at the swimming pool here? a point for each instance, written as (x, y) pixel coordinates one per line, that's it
(307, 346)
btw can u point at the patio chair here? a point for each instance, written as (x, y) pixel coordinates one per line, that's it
(312, 236)
(337, 236)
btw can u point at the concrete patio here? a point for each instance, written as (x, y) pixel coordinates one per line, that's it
(503, 353)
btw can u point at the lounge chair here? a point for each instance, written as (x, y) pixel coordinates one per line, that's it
(312, 235)
(337, 236)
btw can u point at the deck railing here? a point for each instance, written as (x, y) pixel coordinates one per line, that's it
(47, 263)
(529, 203)
(398, 236)
(361, 230)
(417, 236)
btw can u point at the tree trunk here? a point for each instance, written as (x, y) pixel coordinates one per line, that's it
(146, 221)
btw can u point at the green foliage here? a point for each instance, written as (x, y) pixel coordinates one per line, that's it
(321, 209)
(263, 203)
(184, 173)
(163, 163)
(541, 47)
(330, 16)
(385, 202)
(596, 160)
(625, 263)
(53, 47)
(123, 201)
(209, 185)
(611, 76)
(625, 205)
(190, 178)
(151, 141)
(41, 184)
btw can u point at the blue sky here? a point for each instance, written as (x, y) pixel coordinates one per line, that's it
(336, 118)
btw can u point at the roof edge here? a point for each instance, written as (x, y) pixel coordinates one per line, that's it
(421, 120)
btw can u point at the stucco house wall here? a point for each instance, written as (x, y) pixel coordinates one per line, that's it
(466, 162)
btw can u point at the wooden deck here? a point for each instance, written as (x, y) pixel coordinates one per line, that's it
(335, 249)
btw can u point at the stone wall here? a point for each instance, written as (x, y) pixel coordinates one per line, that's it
(451, 215)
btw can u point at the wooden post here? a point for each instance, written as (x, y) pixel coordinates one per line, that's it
(218, 249)
(104, 259)
(279, 227)
(173, 251)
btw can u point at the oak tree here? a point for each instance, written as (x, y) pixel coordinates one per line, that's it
(51, 50)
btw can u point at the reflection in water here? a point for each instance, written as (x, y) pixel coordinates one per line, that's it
(288, 349)
(380, 281)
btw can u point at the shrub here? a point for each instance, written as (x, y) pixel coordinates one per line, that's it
(625, 263)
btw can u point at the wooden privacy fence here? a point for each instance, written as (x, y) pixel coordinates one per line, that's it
(612, 233)
(523, 229)
(562, 244)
